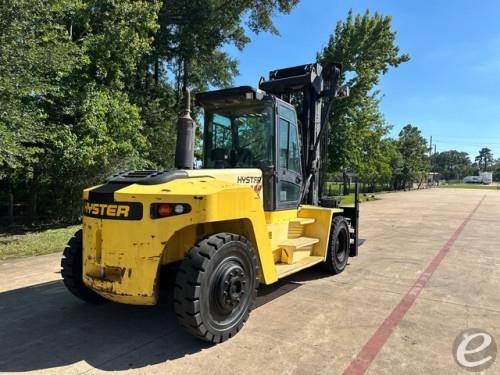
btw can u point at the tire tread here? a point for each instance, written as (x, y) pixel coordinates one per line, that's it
(188, 284)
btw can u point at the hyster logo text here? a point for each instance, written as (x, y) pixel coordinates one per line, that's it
(102, 209)
(248, 179)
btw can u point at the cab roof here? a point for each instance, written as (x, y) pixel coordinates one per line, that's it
(230, 96)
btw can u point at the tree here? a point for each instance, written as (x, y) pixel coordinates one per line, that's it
(192, 34)
(91, 87)
(364, 44)
(63, 66)
(452, 165)
(484, 159)
(412, 162)
(496, 170)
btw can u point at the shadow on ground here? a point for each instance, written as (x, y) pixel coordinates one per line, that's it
(43, 327)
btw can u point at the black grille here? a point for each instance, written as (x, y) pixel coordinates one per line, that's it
(146, 177)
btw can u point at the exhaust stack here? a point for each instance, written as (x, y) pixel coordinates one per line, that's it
(186, 127)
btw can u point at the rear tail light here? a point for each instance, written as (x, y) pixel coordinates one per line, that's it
(159, 210)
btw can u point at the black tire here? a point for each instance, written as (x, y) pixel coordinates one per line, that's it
(72, 271)
(216, 287)
(338, 246)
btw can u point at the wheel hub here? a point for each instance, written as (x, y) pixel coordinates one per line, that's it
(231, 287)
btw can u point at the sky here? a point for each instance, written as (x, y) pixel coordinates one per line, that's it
(449, 88)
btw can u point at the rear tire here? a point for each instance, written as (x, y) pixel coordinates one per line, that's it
(338, 246)
(216, 287)
(72, 271)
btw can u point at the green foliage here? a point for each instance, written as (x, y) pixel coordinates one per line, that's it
(192, 34)
(36, 56)
(452, 165)
(484, 159)
(109, 129)
(91, 87)
(496, 172)
(412, 163)
(66, 118)
(365, 44)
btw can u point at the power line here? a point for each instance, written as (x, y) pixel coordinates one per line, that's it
(478, 144)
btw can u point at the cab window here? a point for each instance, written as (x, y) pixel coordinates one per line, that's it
(289, 152)
(239, 137)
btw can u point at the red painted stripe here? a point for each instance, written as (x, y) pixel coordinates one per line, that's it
(371, 349)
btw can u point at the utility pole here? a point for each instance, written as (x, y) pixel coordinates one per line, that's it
(430, 154)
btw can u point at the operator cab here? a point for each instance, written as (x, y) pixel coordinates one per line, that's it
(246, 128)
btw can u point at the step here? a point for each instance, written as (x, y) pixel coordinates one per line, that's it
(293, 256)
(296, 226)
(303, 220)
(288, 269)
(296, 249)
(297, 243)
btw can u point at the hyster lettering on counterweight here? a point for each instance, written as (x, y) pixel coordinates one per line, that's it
(249, 179)
(113, 210)
(103, 209)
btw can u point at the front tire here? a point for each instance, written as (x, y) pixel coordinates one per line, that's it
(338, 246)
(72, 271)
(216, 287)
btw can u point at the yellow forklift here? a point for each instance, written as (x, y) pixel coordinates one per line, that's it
(252, 214)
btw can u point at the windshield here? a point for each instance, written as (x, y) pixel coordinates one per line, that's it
(239, 137)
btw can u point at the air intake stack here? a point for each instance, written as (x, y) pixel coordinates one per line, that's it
(186, 129)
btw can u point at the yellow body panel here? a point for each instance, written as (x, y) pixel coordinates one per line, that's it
(320, 228)
(122, 257)
(277, 228)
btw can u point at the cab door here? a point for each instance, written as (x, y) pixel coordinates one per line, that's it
(289, 169)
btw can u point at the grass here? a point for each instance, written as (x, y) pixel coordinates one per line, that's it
(470, 186)
(35, 243)
(349, 199)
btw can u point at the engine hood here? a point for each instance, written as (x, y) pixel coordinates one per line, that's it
(183, 182)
